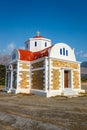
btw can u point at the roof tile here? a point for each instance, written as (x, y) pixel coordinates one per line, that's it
(30, 56)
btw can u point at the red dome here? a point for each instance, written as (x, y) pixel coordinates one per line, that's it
(38, 37)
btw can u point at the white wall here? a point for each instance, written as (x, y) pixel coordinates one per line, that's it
(40, 44)
(55, 52)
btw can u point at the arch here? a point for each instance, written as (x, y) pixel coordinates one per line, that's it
(62, 51)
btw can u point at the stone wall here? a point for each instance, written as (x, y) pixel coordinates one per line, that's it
(37, 79)
(24, 82)
(24, 75)
(55, 79)
(37, 73)
(76, 79)
(38, 64)
(56, 63)
(23, 65)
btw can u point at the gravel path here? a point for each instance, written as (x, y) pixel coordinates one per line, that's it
(32, 112)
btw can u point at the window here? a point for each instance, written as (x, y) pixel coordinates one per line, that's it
(13, 56)
(60, 51)
(66, 52)
(26, 46)
(45, 44)
(35, 43)
(63, 51)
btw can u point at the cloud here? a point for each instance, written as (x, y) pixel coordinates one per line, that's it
(9, 48)
(84, 55)
(81, 54)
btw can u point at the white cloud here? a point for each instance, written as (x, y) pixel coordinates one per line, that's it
(84, 55)
(79, 52)
(11, 47)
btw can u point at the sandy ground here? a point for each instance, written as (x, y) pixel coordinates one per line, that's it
(32, 112)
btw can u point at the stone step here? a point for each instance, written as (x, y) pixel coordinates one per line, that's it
(68, 92)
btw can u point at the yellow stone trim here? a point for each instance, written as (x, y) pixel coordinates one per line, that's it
(24, 79)
(55, 79)
(23, 73)
(24, 65)
(76, 79)
(38, 64)
(56, 63)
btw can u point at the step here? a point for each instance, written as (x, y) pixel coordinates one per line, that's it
(68, 92)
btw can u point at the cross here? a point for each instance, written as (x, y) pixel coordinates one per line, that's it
(38, 33)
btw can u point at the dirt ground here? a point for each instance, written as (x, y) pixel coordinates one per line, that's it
(32, 112)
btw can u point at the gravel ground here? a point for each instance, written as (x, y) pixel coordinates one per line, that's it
(32, 112)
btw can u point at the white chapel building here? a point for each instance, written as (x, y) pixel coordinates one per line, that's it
(43, 69)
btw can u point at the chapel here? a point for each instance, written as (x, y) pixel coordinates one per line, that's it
(44, 69)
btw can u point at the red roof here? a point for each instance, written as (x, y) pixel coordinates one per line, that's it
(30, 56)
(38, 37)
(25, 55)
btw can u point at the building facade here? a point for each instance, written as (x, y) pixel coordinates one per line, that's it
(43, 69)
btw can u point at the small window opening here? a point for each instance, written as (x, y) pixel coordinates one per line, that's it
(27, 46)
(60, 51)
(63, 51)
(45, 44)
(35, 43)
(66, 52)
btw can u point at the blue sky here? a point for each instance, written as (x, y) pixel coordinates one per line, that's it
(58, 20)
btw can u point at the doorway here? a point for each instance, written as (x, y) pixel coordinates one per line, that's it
(67, 79)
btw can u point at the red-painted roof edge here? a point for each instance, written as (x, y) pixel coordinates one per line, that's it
(38, 37)
(30, 56)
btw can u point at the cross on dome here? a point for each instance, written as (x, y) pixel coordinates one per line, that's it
(38, 33)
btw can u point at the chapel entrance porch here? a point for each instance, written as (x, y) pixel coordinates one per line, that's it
(67, 83)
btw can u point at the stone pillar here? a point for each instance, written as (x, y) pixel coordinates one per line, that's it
(46, 74)
(11, 79)
(17, 74)
(49, 74)
(72, 79)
